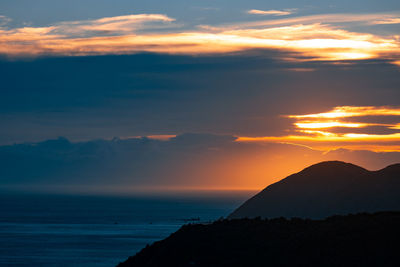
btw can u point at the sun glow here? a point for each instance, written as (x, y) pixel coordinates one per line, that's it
(352, 111)
(330, 124)
(313, 130)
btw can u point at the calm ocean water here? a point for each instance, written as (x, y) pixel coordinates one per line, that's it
(44, 230)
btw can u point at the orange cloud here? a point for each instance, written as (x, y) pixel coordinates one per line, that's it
(314, 132)
(329, 124)
(397, 62)
(129, 34)
(352, 111)
(387, 21)
(395, 127)
(377, 143)
(162, 137)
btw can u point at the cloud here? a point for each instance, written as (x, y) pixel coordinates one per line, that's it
(187, 161)
(352, 111)
(4, 20)
(243, 93)
(335, 18)
(118, 25)
(65, 33)
(269, 12)
(161, 137)
(386, 21)
(131, 34)
(315, 130)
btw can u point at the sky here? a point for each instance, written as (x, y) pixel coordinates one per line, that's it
(194, 94)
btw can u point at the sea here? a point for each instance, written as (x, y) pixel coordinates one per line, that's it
(76, 230)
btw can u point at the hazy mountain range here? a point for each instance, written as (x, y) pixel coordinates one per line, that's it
(187, 160)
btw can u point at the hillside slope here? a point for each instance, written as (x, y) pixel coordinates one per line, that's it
(325, 189)
(352, 240)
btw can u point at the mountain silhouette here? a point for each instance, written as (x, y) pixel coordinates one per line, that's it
(250, 238)
(325, 189)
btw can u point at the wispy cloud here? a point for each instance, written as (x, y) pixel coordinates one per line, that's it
(146, 33)
(112, 25)
(386, 21)
(269, 12)
(318, 130)
(160, 137)
(4, 20)
(351, 111)
(367, 19)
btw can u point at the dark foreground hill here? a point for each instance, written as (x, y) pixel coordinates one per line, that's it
(325, 189)
(352, 240)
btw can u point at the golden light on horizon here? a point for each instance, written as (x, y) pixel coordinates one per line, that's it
(315, 130)
(324, 137)
(352, 111)
(395, 127)
(396, 62)
(162, 137)
(330, 124)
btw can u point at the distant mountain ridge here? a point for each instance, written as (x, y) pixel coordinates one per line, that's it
(326, 189)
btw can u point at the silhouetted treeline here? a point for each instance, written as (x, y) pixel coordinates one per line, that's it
(352, 240)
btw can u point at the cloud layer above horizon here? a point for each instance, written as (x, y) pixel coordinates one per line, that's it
(84, 98)
(348, 127)
(146, 165)
(309, 37)
(261, 83)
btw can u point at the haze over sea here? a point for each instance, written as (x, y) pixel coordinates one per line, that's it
(71, 230)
